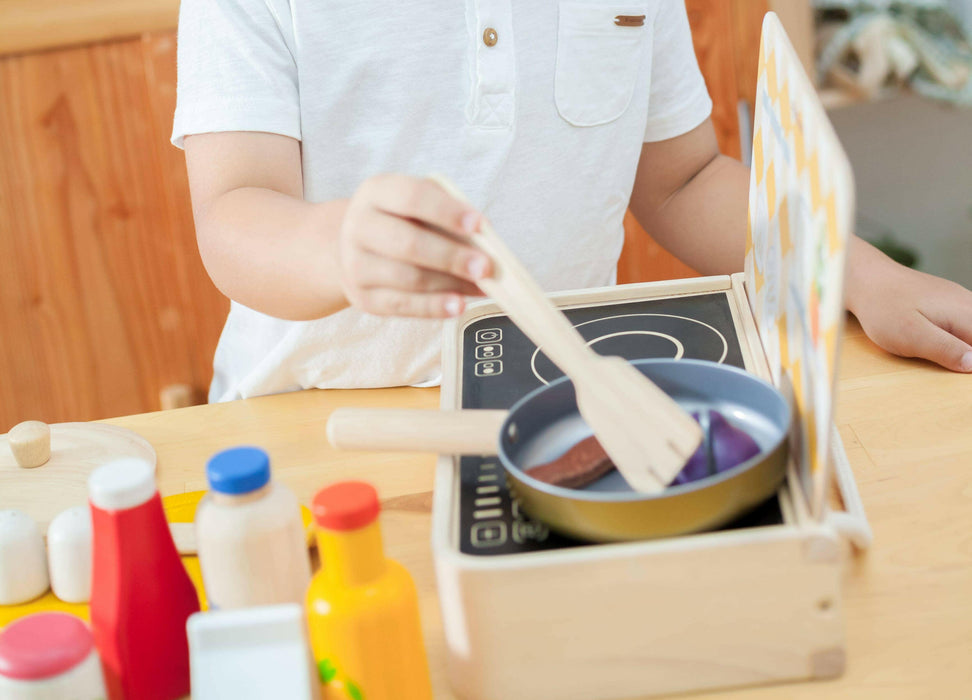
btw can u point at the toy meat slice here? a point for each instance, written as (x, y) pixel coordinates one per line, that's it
(582, 464)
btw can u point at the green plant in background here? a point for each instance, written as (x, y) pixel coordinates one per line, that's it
(898, 252)
(884, 239)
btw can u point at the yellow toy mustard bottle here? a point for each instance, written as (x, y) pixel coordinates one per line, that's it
(362, 608)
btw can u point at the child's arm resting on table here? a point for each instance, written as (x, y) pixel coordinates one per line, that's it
(268, 249)
(694, 202)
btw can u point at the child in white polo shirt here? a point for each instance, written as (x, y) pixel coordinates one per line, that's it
(308, 127)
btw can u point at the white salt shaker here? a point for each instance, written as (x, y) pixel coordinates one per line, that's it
(23, 561)
(69, 554)
(49, 656)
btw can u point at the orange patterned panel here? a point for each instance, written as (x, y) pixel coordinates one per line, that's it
(801, 205)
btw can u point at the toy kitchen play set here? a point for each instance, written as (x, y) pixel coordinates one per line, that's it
(545, 591)
(530, 613)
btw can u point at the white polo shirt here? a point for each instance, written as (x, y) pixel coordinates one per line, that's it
(537, 110)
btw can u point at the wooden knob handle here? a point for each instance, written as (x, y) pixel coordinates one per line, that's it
(175, 396)
(30, 443)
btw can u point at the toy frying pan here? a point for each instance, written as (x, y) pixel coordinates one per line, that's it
(545, 423)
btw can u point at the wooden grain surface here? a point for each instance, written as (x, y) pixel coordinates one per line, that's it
(796, 16)
(715, 48)
(102, 280)
(747, 24)
(32, 25)
(905, 426)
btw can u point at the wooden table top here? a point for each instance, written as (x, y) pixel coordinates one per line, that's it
(907, 429)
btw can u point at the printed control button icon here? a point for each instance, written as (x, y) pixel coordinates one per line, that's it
(489, 352)
(488, 335)
(489, 534)
(489, 368)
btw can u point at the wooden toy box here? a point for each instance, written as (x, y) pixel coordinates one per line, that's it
(718, 609)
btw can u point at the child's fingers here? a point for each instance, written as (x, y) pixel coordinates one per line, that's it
(951, 310)
(393, 302)
(923, 338)
(373, 271)
(421, 199)
(409, 242)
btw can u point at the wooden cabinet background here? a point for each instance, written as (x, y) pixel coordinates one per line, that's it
(103, 297)
(643, 259)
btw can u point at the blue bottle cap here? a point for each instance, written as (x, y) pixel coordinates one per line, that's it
(238, 470)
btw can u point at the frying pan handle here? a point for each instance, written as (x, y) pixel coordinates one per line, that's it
(469, 432)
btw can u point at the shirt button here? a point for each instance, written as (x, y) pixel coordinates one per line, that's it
(490, 37)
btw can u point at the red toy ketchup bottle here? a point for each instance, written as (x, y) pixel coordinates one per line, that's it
(141, 594)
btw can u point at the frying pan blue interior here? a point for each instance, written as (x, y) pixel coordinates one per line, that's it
(545, 423)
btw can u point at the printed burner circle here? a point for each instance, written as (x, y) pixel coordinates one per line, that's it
(642, 336)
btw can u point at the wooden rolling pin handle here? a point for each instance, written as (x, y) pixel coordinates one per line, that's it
(471, 432)
(30, 443)
(521, 297)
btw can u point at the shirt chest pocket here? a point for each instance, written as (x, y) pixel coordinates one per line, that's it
(600, 48)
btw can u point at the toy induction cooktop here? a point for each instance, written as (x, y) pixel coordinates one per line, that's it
(500, 365)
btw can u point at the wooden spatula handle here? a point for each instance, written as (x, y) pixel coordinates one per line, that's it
(515, 290)
(472, 432)
(648, 435)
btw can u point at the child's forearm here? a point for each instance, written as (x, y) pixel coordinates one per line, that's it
(704, 222)
(693, 201)
(273, 252)
(865, 263)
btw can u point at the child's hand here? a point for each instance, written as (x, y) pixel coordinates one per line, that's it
(393, 262)
(910, 313)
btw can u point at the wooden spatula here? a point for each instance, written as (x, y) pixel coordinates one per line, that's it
(647, 434)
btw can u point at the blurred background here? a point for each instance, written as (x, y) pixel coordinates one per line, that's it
(106, 310)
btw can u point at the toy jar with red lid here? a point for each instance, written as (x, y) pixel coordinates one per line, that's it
(49, 656)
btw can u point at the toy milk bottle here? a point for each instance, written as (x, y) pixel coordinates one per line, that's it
(250, 535)
(362, 608)
(141, 595)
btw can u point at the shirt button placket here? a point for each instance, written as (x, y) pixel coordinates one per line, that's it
(495, 75)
